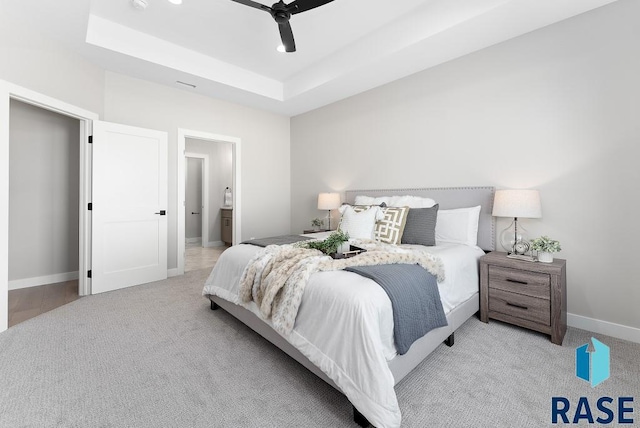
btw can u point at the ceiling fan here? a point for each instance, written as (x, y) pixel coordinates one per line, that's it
(281, 13)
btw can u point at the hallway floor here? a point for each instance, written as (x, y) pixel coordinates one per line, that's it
(197, 257)
(27, 303)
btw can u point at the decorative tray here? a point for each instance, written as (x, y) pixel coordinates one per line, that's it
(353, 251)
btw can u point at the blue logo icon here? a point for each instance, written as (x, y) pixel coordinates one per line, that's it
(593, 366)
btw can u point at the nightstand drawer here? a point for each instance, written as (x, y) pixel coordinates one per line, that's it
(517, 281)
(520, 306)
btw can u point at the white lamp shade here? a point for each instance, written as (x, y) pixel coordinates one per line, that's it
(517, 203)
(328, 201)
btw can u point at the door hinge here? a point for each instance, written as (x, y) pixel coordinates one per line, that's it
(88, 274)
(90, 139)
(90, 207)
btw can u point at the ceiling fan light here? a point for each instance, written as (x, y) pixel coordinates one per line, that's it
(281, 49)
(175, 1)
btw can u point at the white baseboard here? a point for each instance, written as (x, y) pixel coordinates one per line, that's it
(215, 244)
(193, 240)
(624, 332)
(173, 272)
(17, 284)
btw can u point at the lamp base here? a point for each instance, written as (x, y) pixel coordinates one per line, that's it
(514, 239)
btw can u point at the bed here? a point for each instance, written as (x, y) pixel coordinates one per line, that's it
(367, 373)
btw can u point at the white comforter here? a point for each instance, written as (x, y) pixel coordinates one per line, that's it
(341, 308)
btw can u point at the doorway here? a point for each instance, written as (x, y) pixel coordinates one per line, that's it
(10, 92)
(221, 165)
(110, 209)
(196, 209)
(208, 168)
(44, 155)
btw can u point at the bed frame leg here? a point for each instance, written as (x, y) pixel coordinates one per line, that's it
(214, 306)
(359, 418)
(450, 340)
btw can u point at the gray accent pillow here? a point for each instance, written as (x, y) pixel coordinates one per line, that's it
(420, 228)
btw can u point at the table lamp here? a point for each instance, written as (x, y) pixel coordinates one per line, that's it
(329, 201)
(516, 204)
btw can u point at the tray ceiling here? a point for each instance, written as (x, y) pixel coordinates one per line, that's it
(228, 51)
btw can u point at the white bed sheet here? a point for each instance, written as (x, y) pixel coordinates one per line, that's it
(341, 308)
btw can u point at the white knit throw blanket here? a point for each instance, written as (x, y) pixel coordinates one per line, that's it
(277, 275)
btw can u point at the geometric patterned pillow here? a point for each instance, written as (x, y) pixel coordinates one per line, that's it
(391, 227)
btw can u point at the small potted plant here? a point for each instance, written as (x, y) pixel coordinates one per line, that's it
(317, 223)
(330, 245)
(545, 247)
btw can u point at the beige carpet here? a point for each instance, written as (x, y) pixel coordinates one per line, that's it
(156, 356)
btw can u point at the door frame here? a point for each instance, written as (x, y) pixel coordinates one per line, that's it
(9, 91)
(183, 134)
(205, 195)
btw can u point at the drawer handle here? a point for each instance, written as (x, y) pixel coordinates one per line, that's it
(517, 306)
(517, 281)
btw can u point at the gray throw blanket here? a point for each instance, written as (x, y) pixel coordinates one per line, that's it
(415, 300)
(277, 240)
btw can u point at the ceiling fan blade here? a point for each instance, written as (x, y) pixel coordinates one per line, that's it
(251, 3)
(286, 34)
(304, 5)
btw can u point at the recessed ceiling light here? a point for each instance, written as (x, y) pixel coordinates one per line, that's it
(175, 1)
(139, 4)
(281, 48)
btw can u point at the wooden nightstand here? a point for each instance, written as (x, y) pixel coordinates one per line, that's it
(528, 294)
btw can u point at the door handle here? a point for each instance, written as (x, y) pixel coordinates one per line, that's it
(195, 213)
(162, 212)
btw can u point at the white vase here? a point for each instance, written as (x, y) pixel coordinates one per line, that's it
(545, 257)
(344, 247)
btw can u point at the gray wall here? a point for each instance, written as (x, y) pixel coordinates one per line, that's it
(43, 65)
(43, 192)
(265, 157)
(556, 110)
(220, 176)
(193, 198)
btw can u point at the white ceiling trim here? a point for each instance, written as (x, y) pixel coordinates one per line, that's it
(376, 49)
(433, 33)
(118, 38)
(504, 21)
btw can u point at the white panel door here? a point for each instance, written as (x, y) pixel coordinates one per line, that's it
(129, 202)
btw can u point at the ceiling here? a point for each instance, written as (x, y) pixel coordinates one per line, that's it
(228, 50)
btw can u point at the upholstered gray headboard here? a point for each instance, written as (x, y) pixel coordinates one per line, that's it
(449, 198)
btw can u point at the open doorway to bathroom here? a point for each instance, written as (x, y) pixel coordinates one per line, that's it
(228, 153)
(207, 213)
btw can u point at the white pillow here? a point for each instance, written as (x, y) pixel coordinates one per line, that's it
(411, 202)
(459, 226)
(369, 200)
(359, 225)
